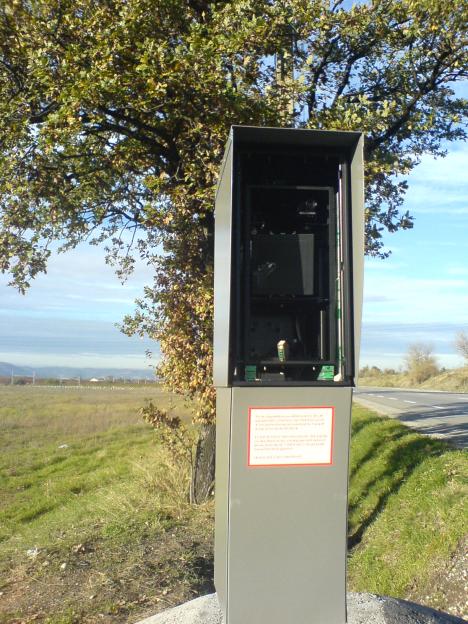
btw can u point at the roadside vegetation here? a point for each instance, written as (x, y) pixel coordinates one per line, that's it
(408, 504)
(450, 380)
(95, 525)
(422, 370)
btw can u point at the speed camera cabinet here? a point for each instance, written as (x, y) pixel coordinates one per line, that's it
(289, 238)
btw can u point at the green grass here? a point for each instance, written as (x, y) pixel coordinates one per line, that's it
(111, 505)
(408, 506)
(85, 484)
(75, 464)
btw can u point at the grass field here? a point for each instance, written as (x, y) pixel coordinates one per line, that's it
(95, 525)
(63, 449)
(92, 511)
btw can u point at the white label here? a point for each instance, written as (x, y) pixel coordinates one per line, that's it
(290, 436)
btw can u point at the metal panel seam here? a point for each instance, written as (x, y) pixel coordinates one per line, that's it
(347, 510)
(228, 531)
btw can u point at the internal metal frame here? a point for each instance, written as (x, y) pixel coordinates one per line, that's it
(335, 333)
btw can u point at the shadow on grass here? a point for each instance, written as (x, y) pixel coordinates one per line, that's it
(380, 444)
(35, 513)
(391, 470)
(202, 569)
(358, 424)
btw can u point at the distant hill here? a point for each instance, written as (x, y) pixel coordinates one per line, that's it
(6, 369)
(42, 372)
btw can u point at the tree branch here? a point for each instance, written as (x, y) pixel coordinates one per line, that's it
(423, 89)
(311, 99)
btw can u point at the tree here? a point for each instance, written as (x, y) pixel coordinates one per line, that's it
(114, 113)
(420, 362)
(461, 344)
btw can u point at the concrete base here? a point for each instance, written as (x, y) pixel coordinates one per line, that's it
(362, 609)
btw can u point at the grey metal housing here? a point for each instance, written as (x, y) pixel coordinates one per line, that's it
(349, 146)
(281, 524)
(280, 535)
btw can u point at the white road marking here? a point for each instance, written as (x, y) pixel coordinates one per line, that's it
(380, 396)
(409, 401)
(392, 399)
(436, 407)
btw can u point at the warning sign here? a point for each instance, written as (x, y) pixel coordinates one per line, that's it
(290, 436)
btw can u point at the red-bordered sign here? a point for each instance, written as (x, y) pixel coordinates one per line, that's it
(291, 436)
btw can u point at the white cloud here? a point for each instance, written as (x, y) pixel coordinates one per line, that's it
(78, 360)
(375, 298)
(383, 265)
(78, 285)
(439, 186)
(435, 243)
(445, 171)
(385, 344)
(440, 209)
(71, 342)
(457, 270)
(410, 299)
(91, 299)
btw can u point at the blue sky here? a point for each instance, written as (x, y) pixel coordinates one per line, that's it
(419, 294)
(68, 317)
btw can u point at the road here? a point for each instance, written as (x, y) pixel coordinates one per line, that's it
(439, 414)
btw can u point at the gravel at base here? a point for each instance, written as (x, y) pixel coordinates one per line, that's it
(362, 609)
(204, 610)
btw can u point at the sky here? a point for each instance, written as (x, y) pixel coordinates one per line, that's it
(420, 294)
(69, 316)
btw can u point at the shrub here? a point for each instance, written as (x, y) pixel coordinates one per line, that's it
(461, 344)
(421, 362)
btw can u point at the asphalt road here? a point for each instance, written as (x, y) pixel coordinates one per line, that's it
(439, 414)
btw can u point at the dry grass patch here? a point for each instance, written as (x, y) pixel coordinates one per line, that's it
(96, 525)
(455, 380)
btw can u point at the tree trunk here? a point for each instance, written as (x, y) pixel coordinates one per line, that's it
(203, 475)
